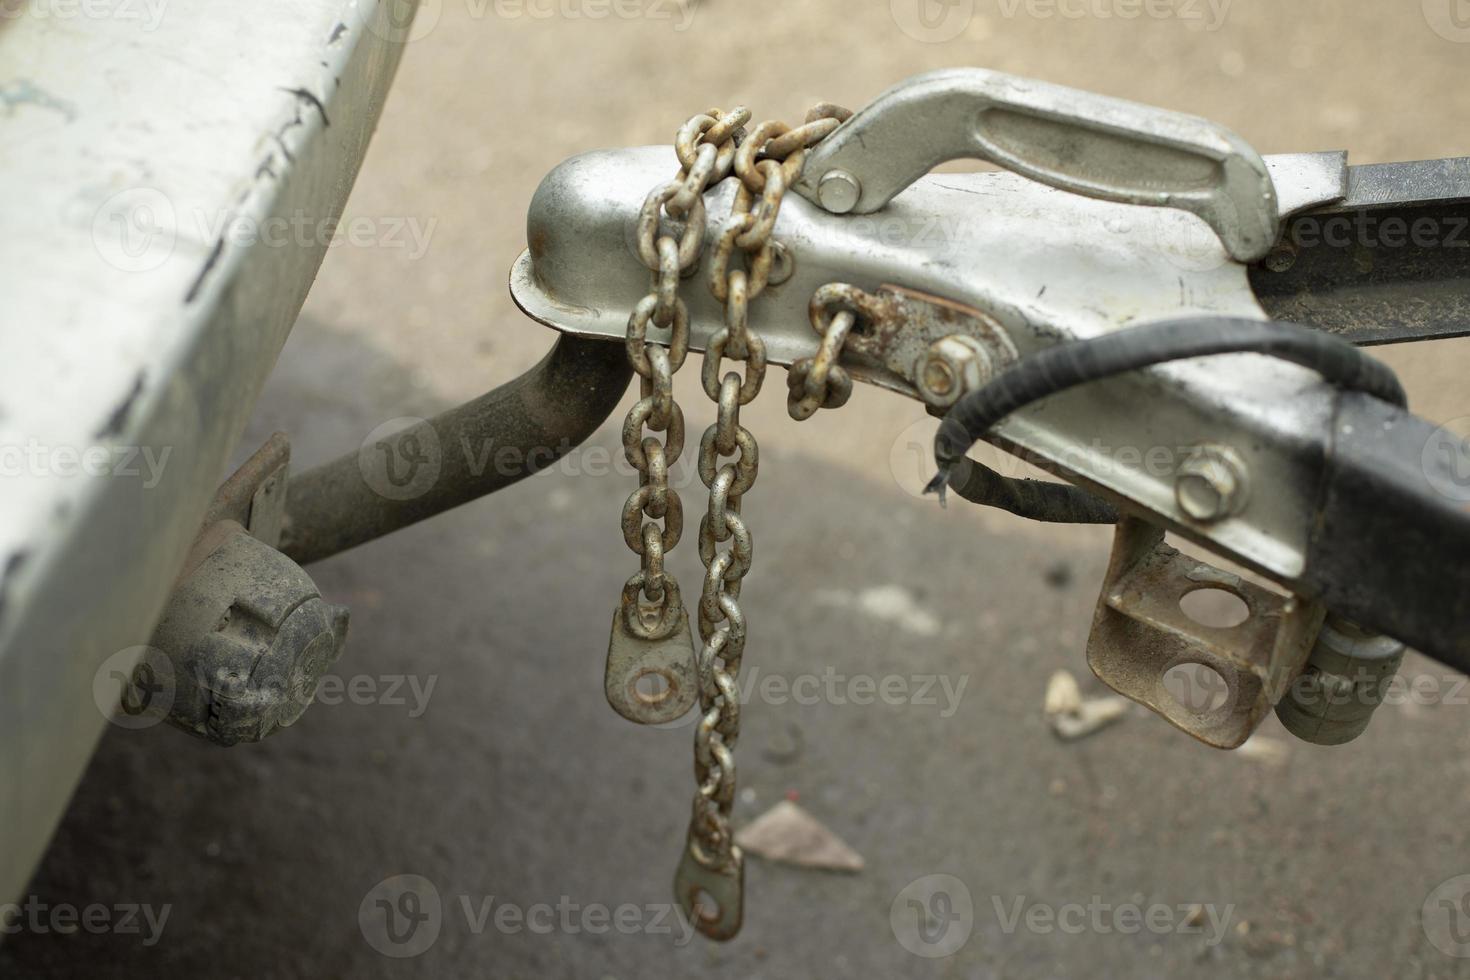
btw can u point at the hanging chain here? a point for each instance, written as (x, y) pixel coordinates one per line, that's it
(666, 257)
(769, 160)
(650, 627)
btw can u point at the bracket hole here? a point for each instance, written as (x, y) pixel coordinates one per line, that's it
(1214, 606)
(705, 906)
(652, 687)
(1197, 687)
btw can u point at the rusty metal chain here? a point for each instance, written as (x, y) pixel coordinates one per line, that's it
(651, 639)
(667, 257)
(650, 632)
(769, 160)
(820, 382)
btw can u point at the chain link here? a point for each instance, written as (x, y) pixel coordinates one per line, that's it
(710, 147)
(820, 382)
(706, 146)
(767, 163)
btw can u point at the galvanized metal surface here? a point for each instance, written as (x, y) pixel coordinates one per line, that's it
(143, 307)
(1043, 265)
(1078, 141)
(1308, 180)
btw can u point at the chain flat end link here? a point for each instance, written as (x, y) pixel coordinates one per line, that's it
(651, 678)
(711, 892)
(645, 643)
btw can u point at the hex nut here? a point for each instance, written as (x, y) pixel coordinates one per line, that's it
(950, 368)
(1211, 484)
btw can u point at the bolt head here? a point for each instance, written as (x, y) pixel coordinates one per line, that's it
(950, 368)
(838, 191)
(1211, 484)
(939, 377)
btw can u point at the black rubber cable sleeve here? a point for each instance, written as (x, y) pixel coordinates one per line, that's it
(1068, 365)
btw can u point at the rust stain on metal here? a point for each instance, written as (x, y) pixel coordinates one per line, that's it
(1140, 633)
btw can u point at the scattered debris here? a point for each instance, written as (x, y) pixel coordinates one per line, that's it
(784, 746)
(789, 834)
(1262, 748)
(889, 603)
(1070, 716)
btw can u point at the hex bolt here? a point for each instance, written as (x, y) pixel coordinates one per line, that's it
(838, 191)
(1211, 484)
(950, 368)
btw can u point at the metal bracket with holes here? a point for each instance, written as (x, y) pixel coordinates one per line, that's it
(1141, 633)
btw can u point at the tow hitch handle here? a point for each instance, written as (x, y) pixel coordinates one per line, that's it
(1076, 141)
